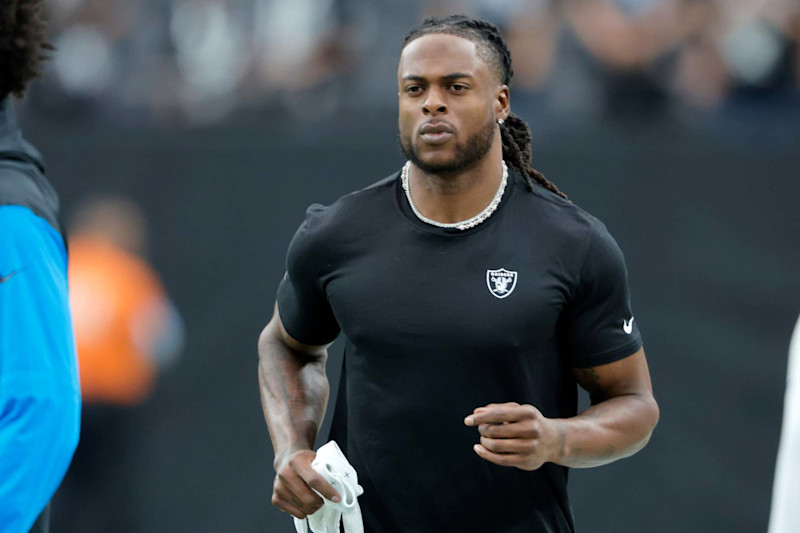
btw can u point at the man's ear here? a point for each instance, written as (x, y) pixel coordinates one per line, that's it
(502, 103)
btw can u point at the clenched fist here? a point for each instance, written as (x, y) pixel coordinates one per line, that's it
(517, 435)
(292, 491)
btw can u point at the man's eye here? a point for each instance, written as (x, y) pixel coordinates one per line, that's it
(457, 87)
(414, 89)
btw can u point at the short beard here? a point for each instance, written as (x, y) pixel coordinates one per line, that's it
(466, 155)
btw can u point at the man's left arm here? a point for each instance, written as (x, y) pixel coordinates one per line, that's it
(617, 424)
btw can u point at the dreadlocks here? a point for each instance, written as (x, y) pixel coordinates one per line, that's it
(22, 44)
(492, 49)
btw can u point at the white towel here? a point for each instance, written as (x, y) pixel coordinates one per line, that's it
(331, 464)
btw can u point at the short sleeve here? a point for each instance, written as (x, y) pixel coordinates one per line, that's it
(599, 325)
(302, 303)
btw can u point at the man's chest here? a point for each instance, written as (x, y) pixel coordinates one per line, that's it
(476, 295)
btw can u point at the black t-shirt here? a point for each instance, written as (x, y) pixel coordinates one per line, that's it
(440, 321)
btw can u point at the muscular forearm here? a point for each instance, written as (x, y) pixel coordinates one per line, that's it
(609, 430)
(618, 424)
(294, 394)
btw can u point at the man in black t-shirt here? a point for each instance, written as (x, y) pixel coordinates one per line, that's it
(473, 297)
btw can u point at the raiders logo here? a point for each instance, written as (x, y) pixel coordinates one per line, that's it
(501, 282)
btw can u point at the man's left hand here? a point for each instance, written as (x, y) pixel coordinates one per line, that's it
(517, 435)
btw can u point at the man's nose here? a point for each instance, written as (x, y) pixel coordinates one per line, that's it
(434, 104)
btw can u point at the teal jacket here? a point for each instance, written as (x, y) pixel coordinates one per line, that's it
(39, 390)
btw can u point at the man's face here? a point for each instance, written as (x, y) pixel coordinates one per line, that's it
(448, 103)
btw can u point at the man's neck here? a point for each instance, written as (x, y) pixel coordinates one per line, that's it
(455, 197)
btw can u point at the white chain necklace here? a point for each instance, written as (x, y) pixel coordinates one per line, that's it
(464, 224)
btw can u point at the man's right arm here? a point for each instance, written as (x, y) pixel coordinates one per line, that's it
(294, 395)
(39, 393)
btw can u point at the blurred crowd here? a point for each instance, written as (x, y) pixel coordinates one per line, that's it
(201, 61)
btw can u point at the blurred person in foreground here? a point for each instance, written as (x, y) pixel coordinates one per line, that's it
(125, 329)
(785, 515)
(474, 298)
(39, 392)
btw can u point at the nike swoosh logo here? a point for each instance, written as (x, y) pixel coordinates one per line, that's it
(8, 276)
(627, 326)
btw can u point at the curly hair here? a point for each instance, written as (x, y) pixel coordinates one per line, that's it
(23, 44)
(492, 49)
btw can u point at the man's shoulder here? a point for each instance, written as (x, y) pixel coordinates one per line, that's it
(365, 197)
(563, 216)
(23, 184)
(352, 209)
(355, 217)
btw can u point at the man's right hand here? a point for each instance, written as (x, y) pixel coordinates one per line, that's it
(292, 491)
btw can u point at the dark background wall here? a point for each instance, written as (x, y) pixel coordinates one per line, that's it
(706, 215)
